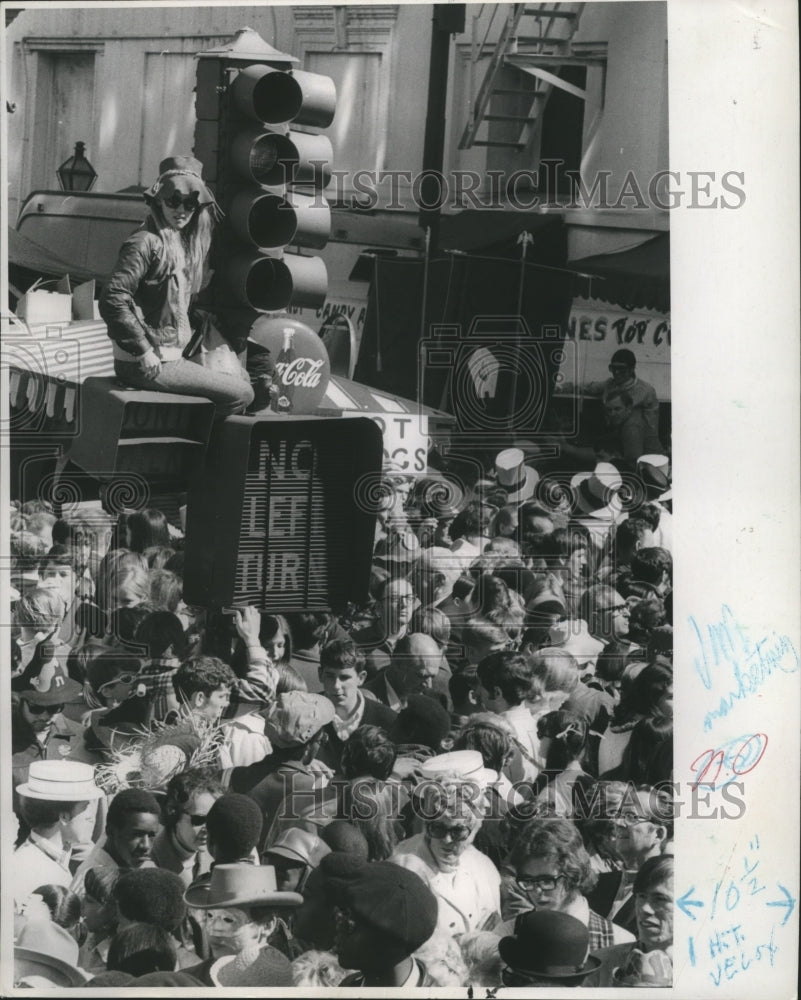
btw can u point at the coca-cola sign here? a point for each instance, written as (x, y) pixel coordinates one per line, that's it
(303, 369)
(300, 371)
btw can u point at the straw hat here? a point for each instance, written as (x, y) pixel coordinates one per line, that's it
(60, 781)
(467, 765)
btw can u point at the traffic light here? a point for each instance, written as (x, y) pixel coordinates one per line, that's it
(267, 175)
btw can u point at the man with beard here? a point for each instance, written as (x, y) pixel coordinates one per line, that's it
(382, 914)
(131, 827)
(465, 881)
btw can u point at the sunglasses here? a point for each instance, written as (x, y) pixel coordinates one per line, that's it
(197, 819)
(190, 202)
(440, 831)
(122, 679)
(545, 883)
(42, 709)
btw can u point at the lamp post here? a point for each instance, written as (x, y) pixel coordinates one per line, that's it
(76, 173)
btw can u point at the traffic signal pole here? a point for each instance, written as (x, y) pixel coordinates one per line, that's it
(447, 19)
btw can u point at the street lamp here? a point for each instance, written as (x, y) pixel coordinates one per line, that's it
(76, 173)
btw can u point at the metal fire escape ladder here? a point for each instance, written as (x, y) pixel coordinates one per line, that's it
(538, 53)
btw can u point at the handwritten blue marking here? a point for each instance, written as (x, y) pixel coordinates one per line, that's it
(749, 663)
(685, 903)
(788, 902)
(692, 949)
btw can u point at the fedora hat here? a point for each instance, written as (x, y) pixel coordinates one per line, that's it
(549, 945)
(655, 473)
(518, 479)
(466, 765)
(46, 950)
(300, 846)
(60, 781)
(596, 491)
(240, 885)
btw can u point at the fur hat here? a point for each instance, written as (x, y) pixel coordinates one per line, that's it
(423, 720)
(234, 823)
(393, 900)
(152, 895)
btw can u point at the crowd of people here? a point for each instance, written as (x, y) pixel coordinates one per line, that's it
(465, 782)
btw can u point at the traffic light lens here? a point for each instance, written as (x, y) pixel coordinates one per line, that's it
(272, 160)
(268, 95)
(272, 222)
(268, 285)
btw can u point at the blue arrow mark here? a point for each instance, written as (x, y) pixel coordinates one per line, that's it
(788, 901)
(685, 903)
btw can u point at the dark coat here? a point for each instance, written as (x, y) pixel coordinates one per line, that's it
(375, 714)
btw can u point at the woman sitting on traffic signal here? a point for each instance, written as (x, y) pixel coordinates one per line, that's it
(146, 303)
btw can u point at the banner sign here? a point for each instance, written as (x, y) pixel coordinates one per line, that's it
(599, 329)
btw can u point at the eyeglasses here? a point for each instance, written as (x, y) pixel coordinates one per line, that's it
(441, 831)
(620, 609)
(41, 709)
(190, 202)
(631, 819)
(197, 819)
(543, 883)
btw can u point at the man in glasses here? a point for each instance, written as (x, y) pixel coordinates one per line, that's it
(181, 844)
(38, 728)
(396, 602)
(641, 826)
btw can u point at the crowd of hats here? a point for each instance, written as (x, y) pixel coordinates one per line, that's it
(552, 637)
